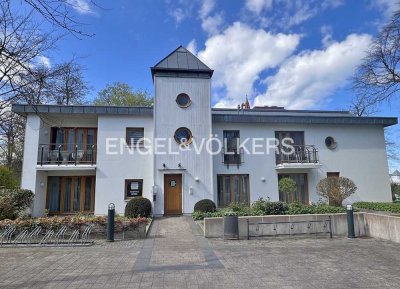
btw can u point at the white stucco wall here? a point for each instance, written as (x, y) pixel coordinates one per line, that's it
(113, 169)
(197, 117)
(360, 156)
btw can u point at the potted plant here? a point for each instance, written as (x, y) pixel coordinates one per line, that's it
(231, 225)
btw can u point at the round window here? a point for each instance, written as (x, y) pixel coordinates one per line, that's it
(183, 100)
(183, 135)
(330, 143)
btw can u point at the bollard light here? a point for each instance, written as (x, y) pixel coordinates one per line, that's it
(110, 222)
(350, 221)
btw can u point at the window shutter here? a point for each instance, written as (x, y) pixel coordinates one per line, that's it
(134, 136)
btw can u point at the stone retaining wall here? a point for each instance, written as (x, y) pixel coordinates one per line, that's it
(365, 224)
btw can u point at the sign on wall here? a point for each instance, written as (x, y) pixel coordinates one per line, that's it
(133, 188)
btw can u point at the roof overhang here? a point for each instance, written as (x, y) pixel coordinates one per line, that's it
(286, 118)
(23, 109)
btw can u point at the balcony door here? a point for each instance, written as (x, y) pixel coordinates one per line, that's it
(233, 189)
(67, 194)
(294, 138)
(71, 140)
(300, 194)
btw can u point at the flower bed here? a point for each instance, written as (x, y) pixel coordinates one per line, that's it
(383, 207)
(132, 227)
(265, 208)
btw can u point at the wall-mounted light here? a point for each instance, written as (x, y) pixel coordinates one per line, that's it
(41, 184)
(263, 179)
(45, 132)
(179, 165)
(164, 165)
(197, 179)
(190, 190)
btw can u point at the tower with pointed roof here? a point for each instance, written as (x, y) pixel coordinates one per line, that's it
(182, 112)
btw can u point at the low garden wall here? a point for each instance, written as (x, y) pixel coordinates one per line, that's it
(213, 227)
(382, 226)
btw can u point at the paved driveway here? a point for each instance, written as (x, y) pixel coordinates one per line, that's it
(177, 256)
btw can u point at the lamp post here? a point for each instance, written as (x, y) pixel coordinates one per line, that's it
(110, 222)
(350, 221)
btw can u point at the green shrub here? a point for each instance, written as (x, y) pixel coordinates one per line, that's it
(7, 210)
(205, 206)
(266, 207)
(138, 207)
(386, 207)
(395, 191)
(14, 202)
(335, 190)
(298, 209)
(8, 179)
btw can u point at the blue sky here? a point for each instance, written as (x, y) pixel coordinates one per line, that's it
(294, 53)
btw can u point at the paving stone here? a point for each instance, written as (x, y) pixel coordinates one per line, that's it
(177, 256)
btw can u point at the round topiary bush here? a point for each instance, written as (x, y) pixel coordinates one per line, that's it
(138, 207)
(205, 206)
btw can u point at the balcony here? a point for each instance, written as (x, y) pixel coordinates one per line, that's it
(301, 157)
(66, 156)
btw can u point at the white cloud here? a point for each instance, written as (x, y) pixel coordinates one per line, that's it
(177, 14)
(386, 6)
(257, 6)
(206, 8)
(210, 23)
(81, 6)
(288, 13)
(240, 53)
(192, 46)
(327, 33)
(307, 79)
(45, 61)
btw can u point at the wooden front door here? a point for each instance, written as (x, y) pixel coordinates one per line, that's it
(172, 194)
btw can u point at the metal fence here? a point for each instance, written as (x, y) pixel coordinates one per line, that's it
(291, 228)
(10, 236)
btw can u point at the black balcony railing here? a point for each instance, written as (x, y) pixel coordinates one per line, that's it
(66, 154)
(299, 154)
(234, 157)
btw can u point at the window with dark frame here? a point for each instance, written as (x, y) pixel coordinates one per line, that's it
(70, 194)
(332, 174)
(231, 143)
(134, 136)
(133, 188)
(233, 189)
(300, 194)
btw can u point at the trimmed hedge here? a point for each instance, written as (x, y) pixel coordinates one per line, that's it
(138, 207)
(385, 207)
(205, 206)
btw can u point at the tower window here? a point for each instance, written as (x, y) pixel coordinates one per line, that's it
(183, 135)
(183, 100)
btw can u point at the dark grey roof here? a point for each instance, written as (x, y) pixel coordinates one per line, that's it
(297, 117)
(221, 115)
(396, 173)
(23, 109)
(181, 60)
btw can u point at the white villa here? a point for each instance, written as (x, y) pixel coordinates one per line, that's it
(82, 158)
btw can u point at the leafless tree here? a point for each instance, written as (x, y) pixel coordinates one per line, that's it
(60, 13)
(68, 86)
(12, 130)
(377, 79)
(21, 46)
